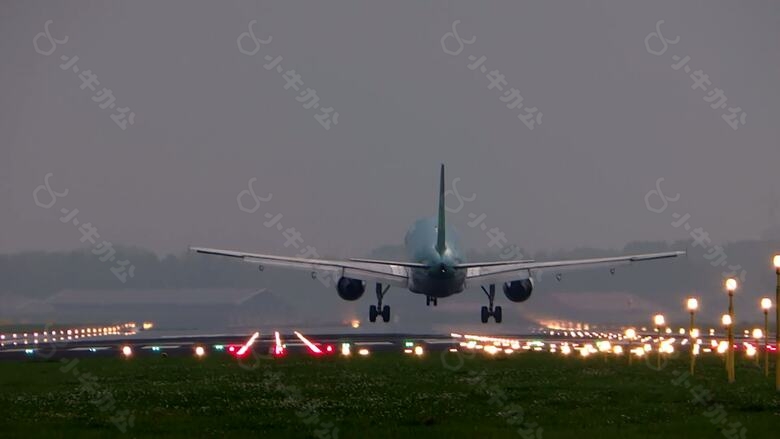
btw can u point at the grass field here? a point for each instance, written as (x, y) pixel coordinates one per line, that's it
(385, 395)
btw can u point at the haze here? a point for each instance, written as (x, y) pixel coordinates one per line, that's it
(209, 118)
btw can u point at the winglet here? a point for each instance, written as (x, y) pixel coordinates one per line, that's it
(441, 244)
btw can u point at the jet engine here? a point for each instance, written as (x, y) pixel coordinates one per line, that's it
(350, 289)
(519, 290)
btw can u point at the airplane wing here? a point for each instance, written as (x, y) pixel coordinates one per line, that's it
(387, 272)
(508, 271)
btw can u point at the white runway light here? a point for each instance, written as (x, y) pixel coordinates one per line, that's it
(127, 351)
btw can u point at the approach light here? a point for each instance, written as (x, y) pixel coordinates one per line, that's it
(776, 261)
(693, 304)
(766, 303)
(725, 320)
(659, 320)
(245, 348)
(313, 348)
(758, 334)
(731, 284)
(278, 349)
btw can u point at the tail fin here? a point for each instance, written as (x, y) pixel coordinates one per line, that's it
(440, 235)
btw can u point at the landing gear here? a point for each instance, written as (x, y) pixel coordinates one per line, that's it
(377, 310)
(431, 300)
(488, 311)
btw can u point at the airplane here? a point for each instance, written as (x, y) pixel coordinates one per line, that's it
(436, 268)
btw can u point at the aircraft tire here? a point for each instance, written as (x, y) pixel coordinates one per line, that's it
(372, 314)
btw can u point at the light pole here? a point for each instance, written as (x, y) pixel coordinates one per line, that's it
(726, 321)
(659, 322)
(758, 334)
(766, 305)
(731, 286)
(777, 323)
(693, 305)
(630, 335)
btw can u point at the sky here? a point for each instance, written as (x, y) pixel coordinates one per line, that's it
(208, 117)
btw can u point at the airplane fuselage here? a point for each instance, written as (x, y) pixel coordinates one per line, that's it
(441, 279)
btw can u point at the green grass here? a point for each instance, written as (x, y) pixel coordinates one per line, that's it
(384, 395)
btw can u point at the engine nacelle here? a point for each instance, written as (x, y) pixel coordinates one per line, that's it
(350, 289)
(519, 290)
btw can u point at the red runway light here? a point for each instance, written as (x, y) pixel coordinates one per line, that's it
(279, 350)
(314, 349)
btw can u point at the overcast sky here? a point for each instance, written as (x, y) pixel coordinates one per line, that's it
(208, 118)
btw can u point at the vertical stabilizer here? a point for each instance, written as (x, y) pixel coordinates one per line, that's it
(440, 235)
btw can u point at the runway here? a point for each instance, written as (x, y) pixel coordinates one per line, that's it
(142, 345)
(127, 341)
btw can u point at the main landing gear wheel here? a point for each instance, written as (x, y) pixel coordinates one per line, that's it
(372, 313)
(497, 314)
(378, 309)
(431, 300)
(489, 311)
